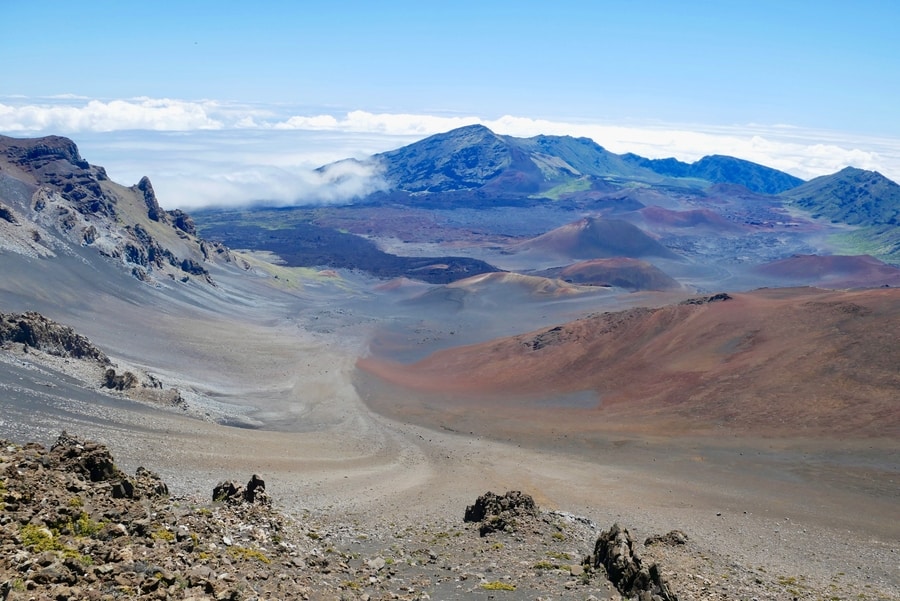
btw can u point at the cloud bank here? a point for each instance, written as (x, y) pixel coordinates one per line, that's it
(208, 152)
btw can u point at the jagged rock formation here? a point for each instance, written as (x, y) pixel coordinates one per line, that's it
(614, 552)
(33, 330)
(501, 512)
(64, 203)
(230, 491)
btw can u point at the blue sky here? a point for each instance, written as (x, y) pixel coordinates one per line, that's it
(802, 86)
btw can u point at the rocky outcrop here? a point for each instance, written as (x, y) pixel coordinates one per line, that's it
(671, 539)
(705, 300)
(501, 512)
(72, 203)
(154, 211)
(182, 221)
(230, 491)
(7, 215)
(614, 552)
(123, 381)
(33, 330)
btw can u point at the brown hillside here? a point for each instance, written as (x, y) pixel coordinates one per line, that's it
(592, 238)
(786, 361)
(836, 271)
(622, 272)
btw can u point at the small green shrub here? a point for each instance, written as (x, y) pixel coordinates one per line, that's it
(246, 553)
(498, 586)
(163, 534)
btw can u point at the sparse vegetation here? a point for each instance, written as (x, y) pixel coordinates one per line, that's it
(497, 585)
(239, 552)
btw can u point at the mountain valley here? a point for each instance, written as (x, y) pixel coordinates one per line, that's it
(706, 347)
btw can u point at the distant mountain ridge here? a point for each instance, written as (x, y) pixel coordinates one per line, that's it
(720, 169)
(853, 196)
(475, 158)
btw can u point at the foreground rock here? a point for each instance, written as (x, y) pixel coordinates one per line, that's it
(614, 552)
(73, 525)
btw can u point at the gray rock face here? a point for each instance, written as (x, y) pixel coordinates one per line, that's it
(36, 331)
(614, 552)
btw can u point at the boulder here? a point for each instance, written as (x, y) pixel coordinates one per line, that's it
(500, 512)
(672, 539)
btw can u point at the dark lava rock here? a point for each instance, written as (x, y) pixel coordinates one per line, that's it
(231, 492)
(614, 552)
(672, 539)
(36, 331)
(500, 512)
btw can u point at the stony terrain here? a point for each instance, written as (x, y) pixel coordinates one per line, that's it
(74, 526)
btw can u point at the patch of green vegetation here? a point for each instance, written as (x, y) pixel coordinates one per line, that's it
(498, 586)
(39, 538)
(558, 536)
(545, 565)
(246, 553)
(883, 243)
(312, 534)
(497, 546)
(581, 184)
(85, 526)
(76, 502)
(163, 534)
(559, 556)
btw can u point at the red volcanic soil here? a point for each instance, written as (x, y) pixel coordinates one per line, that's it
(592, 238)
(781, 362)
(836, 271)
(623, 272)
(659, 217)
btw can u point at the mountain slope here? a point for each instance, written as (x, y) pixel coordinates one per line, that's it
(852, 196)
(594, 238)
(475, 158)
(719, 169)
(865, 199)
(52, 201)
(622, 272)
(802, 361)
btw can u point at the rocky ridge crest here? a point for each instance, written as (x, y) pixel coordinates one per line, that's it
(52, 201)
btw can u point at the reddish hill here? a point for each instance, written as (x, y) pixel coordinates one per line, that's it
(593, 238)
(622, 272)
(798, 362)
(836, 271)
(658, 217)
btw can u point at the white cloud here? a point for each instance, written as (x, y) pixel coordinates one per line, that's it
(205, 152)
(97, 116)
